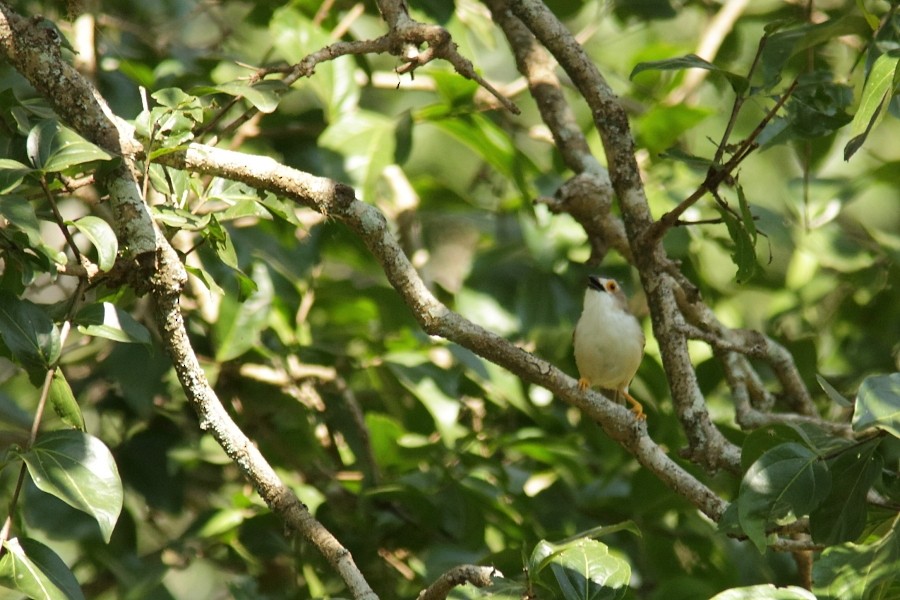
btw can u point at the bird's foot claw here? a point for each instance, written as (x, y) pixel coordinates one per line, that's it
(583, 384)
(636, 407)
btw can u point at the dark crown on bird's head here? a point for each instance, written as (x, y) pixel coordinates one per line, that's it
(603, 285)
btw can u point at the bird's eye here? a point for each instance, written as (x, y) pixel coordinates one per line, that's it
(611, 286)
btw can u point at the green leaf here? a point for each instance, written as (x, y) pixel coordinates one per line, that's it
(206, 279)
(403, 137)
(878, 404)
(786, 43)
(766, 591)
(661, 126)
(294, 36)
(29, 333)
(366, 141)
(12, 172)
(761, 440)
(859, 571)
(691, 61)
(20, 214)
(880, 87)
(842, 515)
(182, 102)
(52, 148)
(786, 483)
(443, 409)
(695, 162)
(63, 401)
(834, 395)
(493, 144)
(583, 569)
(108, 321)
(263, 95)
(78, 469)
(33, 569)
(240, 323)
(743, 254)
(102, 237)
(747, 216)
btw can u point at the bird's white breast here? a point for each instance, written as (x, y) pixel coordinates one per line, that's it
(609, 342)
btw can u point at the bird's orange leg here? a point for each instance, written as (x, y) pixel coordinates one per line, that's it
(583, 384)
(636, 407)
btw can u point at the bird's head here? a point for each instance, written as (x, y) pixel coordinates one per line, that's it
(609, 288)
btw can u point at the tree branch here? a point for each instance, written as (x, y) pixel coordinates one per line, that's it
(337, 201)
(36, 56)
(462, 574)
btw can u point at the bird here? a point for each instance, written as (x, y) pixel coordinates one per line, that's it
(608, 341)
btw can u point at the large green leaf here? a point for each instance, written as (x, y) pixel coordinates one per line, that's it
(582, 569)
(866, 571)
(106, 320)
(786, 483)
(240, 323)
(880, 87)
(102, 237)
(294, 36)
(494, 145)
(53, 148)
(35, 570)
(842, 515)
(29, 333)
(80, 470)
(366, 141)
(878, 404)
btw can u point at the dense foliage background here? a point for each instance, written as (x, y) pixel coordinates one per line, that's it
(415, 452)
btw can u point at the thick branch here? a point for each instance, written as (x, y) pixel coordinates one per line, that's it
(35, 54)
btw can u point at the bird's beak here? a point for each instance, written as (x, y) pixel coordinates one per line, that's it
(595, 284)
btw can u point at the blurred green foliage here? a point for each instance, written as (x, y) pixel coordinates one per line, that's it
(417, 454)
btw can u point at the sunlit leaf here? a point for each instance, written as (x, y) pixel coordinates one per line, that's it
(52, 148)
(263, 95)
(240, 323)
(102, 237)
(33, 569)
(880, 86)
(582, 569)
(786, 483)
(106, 320)
(63, 401)
(78, 469)
(878, 404)
(766, 591)
(859, 570)
(366, 140)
